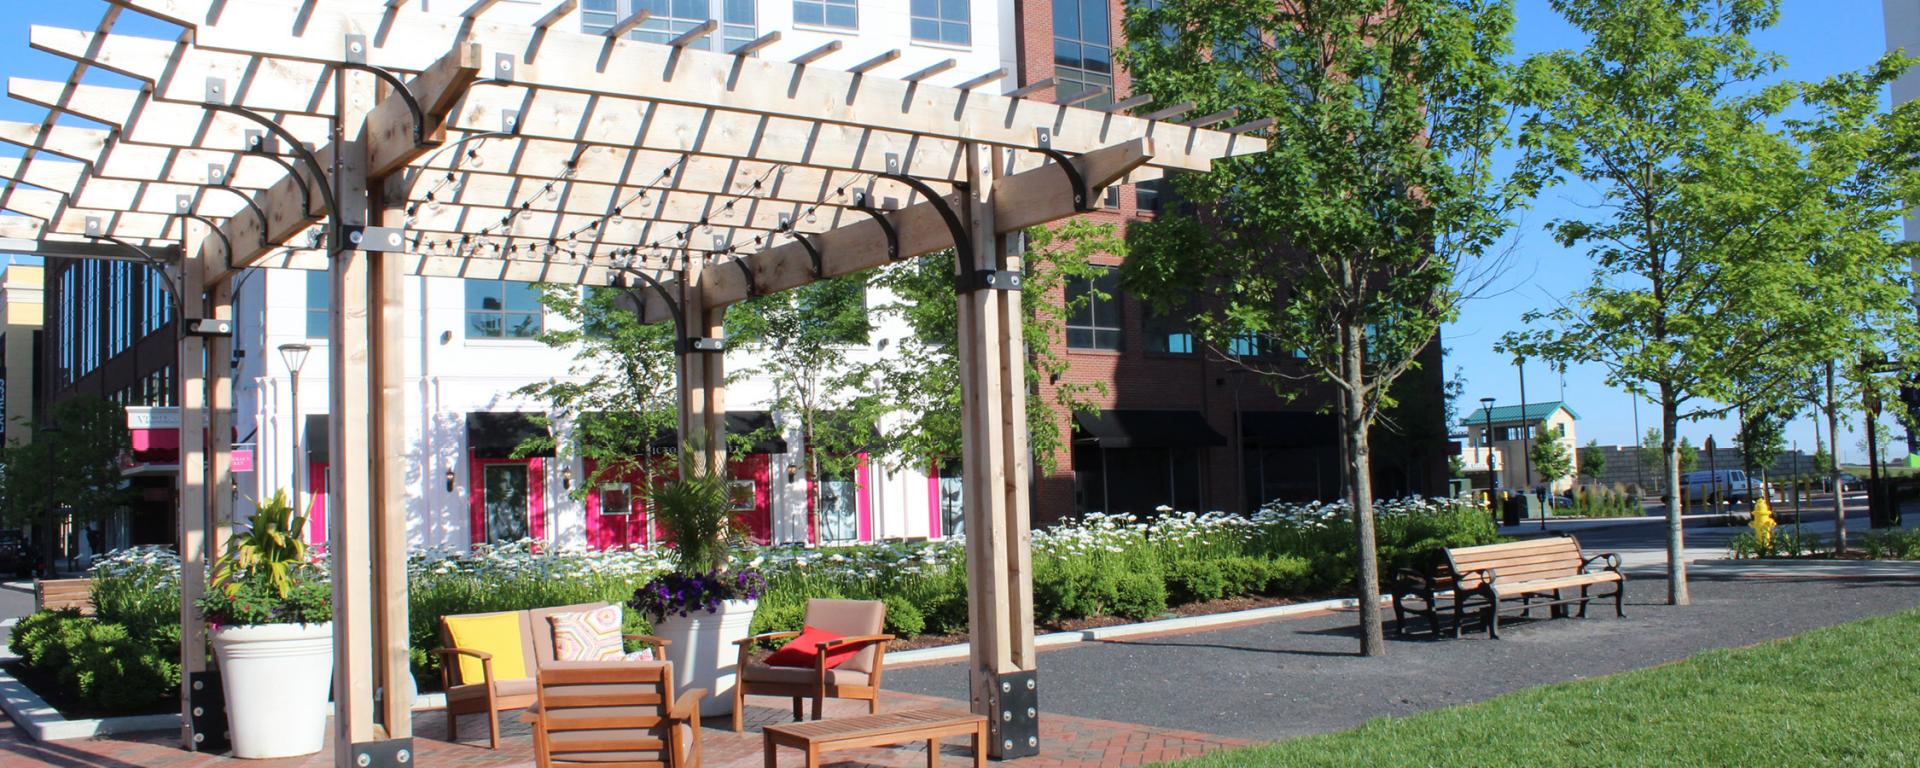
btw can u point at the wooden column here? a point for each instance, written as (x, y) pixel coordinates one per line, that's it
(703, 390)
(389, 527)
(195, 685)
(219, 372)
(995, 471)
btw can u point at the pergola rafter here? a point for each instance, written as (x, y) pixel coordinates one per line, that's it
(378, 140)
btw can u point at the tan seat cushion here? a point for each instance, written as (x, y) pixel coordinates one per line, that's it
(849, 618)
(523, 686)
(761, 673)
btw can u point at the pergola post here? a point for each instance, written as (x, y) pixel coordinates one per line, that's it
(995, 469)
(219, 373)
(199, 690)
(703, 391)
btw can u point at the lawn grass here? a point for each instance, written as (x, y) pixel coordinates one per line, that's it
(1847, 695)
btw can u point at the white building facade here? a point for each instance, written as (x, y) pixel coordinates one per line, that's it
(469, 348)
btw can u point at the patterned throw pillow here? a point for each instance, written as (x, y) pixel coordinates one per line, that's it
(644, 654)
(588, 635)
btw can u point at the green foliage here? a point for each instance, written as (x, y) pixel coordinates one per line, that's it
(1891, 545)
(1784, 542)
(1599, 501)
(696, 512)
(1550, 456)
(255, 599)
(75, 469)
(1192, 581)
(920, 381)
(99, 666)
(1593, 461)
(265, 576)
(904, 619)
(1139, 596)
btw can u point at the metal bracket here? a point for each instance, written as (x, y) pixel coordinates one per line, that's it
(183, 202)
(377, 239)
(183, 207)
(214, 88)
(503, 64)
(392, 753)
(985, 280)
(357, 60)
(864, 205)
(1013, 720)
(1082, 196)
(510, 122)
(694, 344)
(673, 305)
(962, 241)
(207, 712)
(259, 144)
(746, 271)
(813, 251)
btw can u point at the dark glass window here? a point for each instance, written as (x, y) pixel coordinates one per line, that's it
(497, 309)
(942, 21)
(319, 304)
(1169, 333)
(1094, 322)
(669, 18)
(1082, 50)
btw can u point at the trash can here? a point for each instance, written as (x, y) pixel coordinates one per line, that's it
(1513, 509)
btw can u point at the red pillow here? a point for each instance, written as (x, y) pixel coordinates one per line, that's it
(800, 651)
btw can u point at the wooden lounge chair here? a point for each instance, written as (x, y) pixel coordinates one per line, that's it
(614, 713)
(860, 622)
(498, 690)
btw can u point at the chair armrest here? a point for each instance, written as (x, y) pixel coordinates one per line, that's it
(856, 640)
(653, 640)
(686, 706)
(478, 654)
(743, 642)
(1612, 558)
(486, 666)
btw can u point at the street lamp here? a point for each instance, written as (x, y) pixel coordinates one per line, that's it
(1493, 472)
(295, 356)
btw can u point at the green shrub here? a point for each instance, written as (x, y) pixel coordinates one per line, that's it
(1891, 545)
(1139, 596)
(1193, 581)
(904, 619)
(100, 666)
(1286, 575)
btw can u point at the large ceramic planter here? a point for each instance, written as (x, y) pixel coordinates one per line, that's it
(276, 678)
(703, 650)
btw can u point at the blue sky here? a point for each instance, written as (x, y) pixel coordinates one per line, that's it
(1817, 37)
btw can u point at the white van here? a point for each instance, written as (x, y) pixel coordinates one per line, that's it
(1727, 484)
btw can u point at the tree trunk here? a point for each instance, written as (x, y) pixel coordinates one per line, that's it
(1833, 468)
(1359, 477)
(1676, 536)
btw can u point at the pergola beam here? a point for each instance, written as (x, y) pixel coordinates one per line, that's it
(1026, 199)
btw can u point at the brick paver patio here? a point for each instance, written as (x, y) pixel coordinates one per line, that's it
(1070, 742)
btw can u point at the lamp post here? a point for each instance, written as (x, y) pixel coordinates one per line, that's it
(295, 356)
(1493, 472)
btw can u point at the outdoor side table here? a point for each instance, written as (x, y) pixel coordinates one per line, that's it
(874, 730)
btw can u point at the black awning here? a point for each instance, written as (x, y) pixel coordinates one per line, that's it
(496, 435)
(1145, 429)
(319, 450)
(759, 424)
(1289, 429)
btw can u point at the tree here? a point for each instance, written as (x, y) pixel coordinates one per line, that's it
(1822, 461)
(1652, 456)
(911, 397)
(803, 335)
(1367, 220)
(1593, 461)
(1762, 437)
(1550, 456)
(620, 396)
(1730, 238)
(70, 468)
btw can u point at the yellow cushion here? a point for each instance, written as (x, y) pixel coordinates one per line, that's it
(497, 634)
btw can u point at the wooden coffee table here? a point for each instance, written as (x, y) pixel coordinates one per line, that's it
(873, 730)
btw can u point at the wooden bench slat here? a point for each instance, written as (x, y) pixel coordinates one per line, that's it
(1554, 542)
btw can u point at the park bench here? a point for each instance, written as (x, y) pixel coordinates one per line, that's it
(1512, 576)
(56, 594)
(930, 725)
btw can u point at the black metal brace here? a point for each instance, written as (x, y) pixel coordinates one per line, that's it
(1082, 196)
(392, 753)
(257, 213)
(224, 242)
(864, 205)
(207, 712)
(215, 87)
(746, 271)
(357, 60)
(962, 241)
(96, 230)
(970, 280)
(260, 148)
(673, 305)
(813, 253)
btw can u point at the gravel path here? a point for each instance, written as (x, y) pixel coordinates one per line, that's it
(1294, 677)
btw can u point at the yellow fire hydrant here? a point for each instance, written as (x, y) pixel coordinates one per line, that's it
(1762, 524)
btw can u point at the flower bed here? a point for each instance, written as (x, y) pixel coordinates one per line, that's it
(1094, 566)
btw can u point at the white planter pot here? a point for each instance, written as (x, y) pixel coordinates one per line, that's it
(276, 677)
(703, 651)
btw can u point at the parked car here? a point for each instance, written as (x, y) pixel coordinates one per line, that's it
(16, 555)
(1727, 484)
(1851, 482)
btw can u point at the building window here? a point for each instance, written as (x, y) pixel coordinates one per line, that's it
(1094, 319)
(319, 304)
(1169, 333)
(1082, 50)
(616, 499)
(844, 14)
(942, 21)
(669, 18)
(497, 309)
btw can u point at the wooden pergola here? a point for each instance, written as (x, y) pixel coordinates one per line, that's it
(377, 139)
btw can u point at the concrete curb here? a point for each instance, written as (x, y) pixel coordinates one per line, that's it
(1058, 639)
